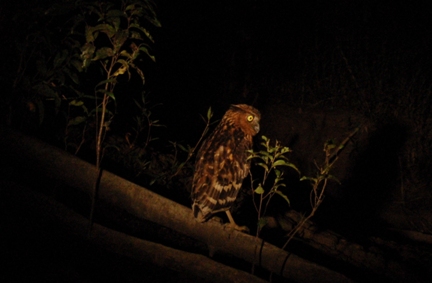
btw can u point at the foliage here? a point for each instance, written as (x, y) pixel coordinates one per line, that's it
(271, 159)
(48, 63)
(172, 165)
(320, 181)
(168, 168)
(191, 151)
(77, 56)
(114, 40)
(132, 151)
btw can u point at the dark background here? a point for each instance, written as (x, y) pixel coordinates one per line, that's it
(315, 69)
(222, 52)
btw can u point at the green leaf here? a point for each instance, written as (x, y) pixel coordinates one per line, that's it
(106, 92)
(137, 11)
(135, 35)
(293, 167)
(110, 94)
(87, 52)
(265, 153)
(154, 21)
(140, 73)
(143, 30)
(105, 28)
(280, 162)
(262, 222)
(331, 177)
(209, 114)
(263, 165)
(130, 7)
(330, 144)
(250, 157)
(182, 148)
(109, 81)
(114, 17)
(60, 58)
(89, 35)
(119, 39)
(72, 75)
(305, 178)
(146, 51)
(120, 71)
(126, 54)
(259, 190)
(275, 187)
(103, 53)
(137, 103)
(77, 63)
(77, 103)
(283, 196)
(77, 120)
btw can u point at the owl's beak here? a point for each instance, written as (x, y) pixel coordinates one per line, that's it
(257, 128)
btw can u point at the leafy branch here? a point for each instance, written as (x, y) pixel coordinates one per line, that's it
(115, 42)
(320, 182)
(144, 123)
(125, 40)
(271, 159)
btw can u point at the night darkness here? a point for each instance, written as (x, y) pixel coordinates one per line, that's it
(315, 69)
(219, 53)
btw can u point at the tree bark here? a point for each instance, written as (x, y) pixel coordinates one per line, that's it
(46, 212)
(46, 163)
(372, 258)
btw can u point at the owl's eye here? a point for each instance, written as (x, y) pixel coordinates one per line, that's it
(250, 118)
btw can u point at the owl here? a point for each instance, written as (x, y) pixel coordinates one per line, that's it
(222, 163)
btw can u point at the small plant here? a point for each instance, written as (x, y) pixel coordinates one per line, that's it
(144, 123)
(132, 151)
(47, 72)
(166, 168)
(320, 181)
(173, 166)
(271, 159)
(114, 41)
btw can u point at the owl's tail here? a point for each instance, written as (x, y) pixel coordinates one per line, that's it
(201, 214)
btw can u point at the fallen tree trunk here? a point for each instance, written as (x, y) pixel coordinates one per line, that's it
(48, 163)
(46, 212)
(336, 246)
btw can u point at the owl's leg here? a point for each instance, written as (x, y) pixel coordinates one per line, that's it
(233, 225)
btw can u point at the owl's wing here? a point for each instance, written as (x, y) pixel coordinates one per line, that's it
(218, 177)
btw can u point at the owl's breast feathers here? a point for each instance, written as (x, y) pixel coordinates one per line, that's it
(220, 169)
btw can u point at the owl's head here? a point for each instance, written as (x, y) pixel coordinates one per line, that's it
(246, 117)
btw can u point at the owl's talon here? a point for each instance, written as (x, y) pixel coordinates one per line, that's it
(216, 219)
(234, 226)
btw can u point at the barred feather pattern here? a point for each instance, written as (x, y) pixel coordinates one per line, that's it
(222, 164)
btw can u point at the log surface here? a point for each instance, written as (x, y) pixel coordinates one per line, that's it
(49, 164)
